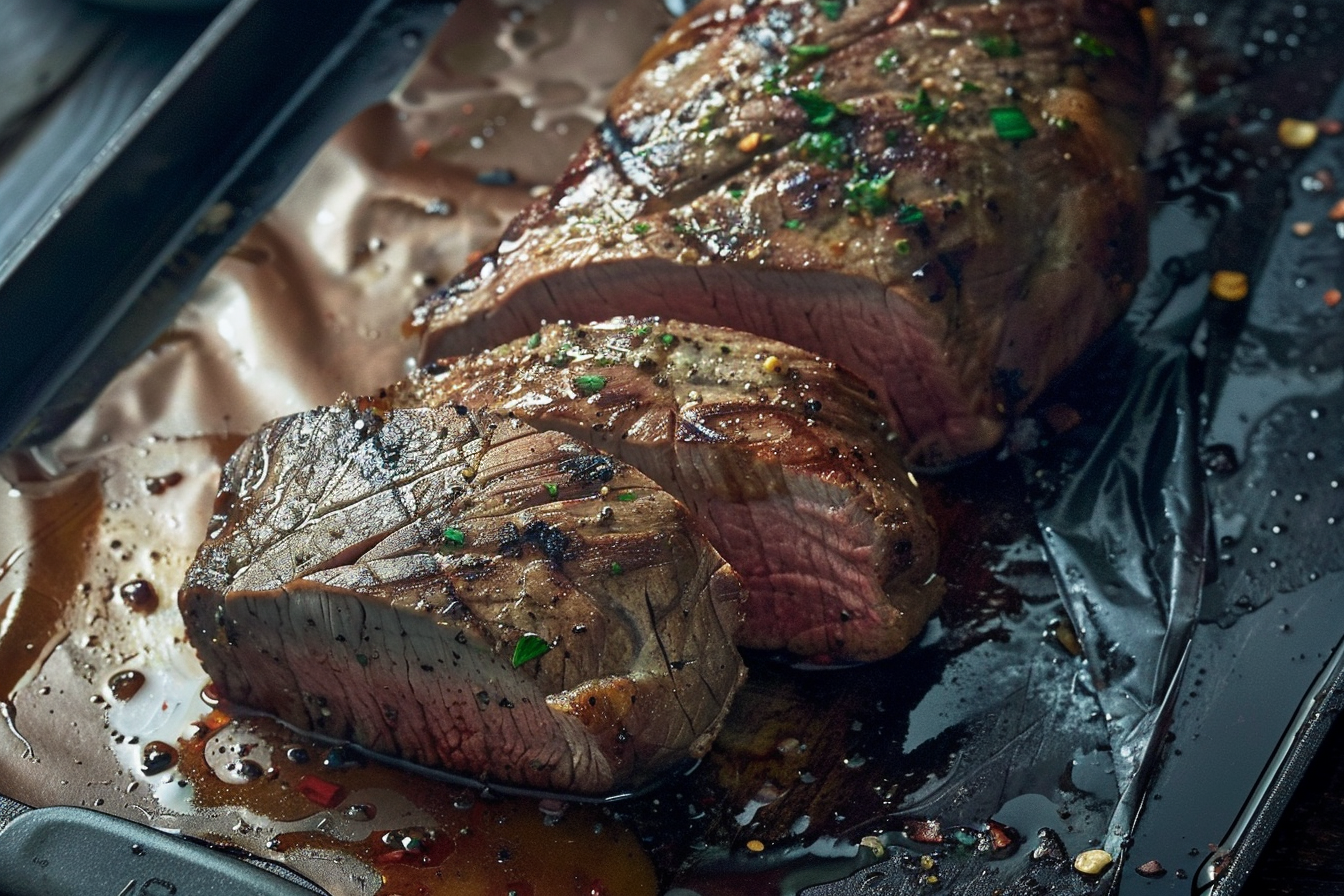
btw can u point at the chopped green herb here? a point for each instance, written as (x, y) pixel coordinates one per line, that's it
(641, 227)
(809, 51)
(887, 61)
(823, 147)
(737, 194)
(667, 338)
(534, 340)
(902, 247)
(868, 194)
(770, 78)
(617, 569)
(831, 9)
(626, 496)
(1091, 46)
(924, 110)
(552, 489)
(361, 659)
(909, 215)
(971, 87)
(821, 112)
(892, 136)
(1000, 47)
(528, 648)
(643, 331)
(1010, 123)
(454, 538)
(793, 224)
(590, 384)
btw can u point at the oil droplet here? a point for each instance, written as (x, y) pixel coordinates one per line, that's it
(157, 757)
(126, 684)
(140, 596)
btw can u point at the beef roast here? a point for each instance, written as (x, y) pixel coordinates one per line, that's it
(940, 195)
(466, 592)
(783, 457)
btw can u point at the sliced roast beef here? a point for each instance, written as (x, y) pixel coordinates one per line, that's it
(783, 457)
(940, 195)
(463, 591)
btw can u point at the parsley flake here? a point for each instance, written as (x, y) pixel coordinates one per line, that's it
(821, 112)
(924, 110)
(641, 227)
(809, 51)
(823, 147)
(1010, 123)
(534, 340)
(1091, 46)
(454, 538)
(887, 61)
(552, 489)
(793, 224)
(1000, 47)
(590, 384)
(831, 9)
(909, 215)
(868, 194)
(528, 648)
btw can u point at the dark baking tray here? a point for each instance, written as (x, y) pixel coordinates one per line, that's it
(110, 264)
(211, 148)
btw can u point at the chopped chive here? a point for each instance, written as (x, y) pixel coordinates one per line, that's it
(643, 331)
(454, 538)
(820, 111)
(552, 489)
(902, 247)
(1091, 46)
(737, 194)
(626, 496)
(1010, 123)
(810, 51)
(1000, 47)
(667, 338)
(590, 384)
(793, 224)
(971, 87)
(617, 569)
(528, 648)
(534, 340)
(831, 9)
(887, 61)
(909, 215)
(642, 227)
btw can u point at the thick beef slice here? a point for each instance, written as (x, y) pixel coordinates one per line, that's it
(371, 571)
(784, 458)
(841, 185)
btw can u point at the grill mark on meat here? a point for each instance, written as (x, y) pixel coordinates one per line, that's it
(1017, 238)
(786, 464)
(384, 637)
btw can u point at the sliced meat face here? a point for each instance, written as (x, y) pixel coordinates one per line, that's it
(942, 196)
(463, 591)
(784, 458)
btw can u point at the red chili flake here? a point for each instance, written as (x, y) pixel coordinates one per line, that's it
(402, 857)
(1331, 298)
(926, 831)
(899, 12)
(420, 148)
(1330, 126)
(1327, 179)
(324, 793)
(1001, 835)
(1336, 212)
